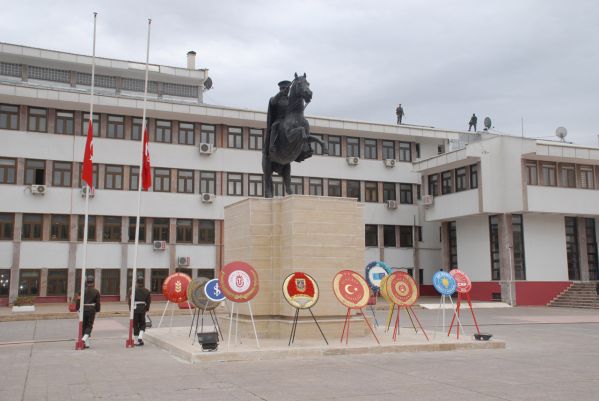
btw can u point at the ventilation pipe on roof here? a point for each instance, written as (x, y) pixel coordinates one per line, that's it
(191, 60)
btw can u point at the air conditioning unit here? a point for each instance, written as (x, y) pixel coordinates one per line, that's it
(427, 200)
(159, 245)
(206, 148)
(38, 189)
(85, 189)
(392, 204)
(208, 197)
(390, 162)
(183, 261)
(352, 160)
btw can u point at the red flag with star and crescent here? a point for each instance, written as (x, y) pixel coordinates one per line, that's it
(146, 175)
(87, 173)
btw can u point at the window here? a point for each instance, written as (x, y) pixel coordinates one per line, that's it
(7, 221)
(186, 134)
(255, 139)
(334, 143)
(405, 194)
(134, 179)
(586, 177)
(418, 193)
(433, 184)
(94, 175)
(234, 184)
(460, 179)
(29, 282)
(334, 187)
(446, 182)
(417, 152)
(388, 150)
(185, 181)
(255, 182)
(38, 119)
(4, 282)
(419, 233)
(62, 174)
(389, 239)
(111, 231)
(111, 282)
(8, 171)
(315, 186)
(163, 131)
(572, 248)
(371, 235)
(206, 232)
(473, 176)
(57, 282)
(389, 191)
(277, 186)
(142, 229)
(405, 152)
(184, 231)
(494, 246)
(65, 122)
(157, 277)
(353, 189)
(136, 128)
(518, 238)
(59, 227)
(406, 237)
(316, 147)
(162, 180)
(532, 177)
(208, 182)
(567, 176)
(453, 245)
(160, 230)
(207, 134)
(85, 124)
(592, 255)
(91, 227)
(371, 192)
(116, 127)
(234, 138)
(35, 172)
(370, 148)
(113, 177)
(297, 185)
(353, 147)
(32, 227)
(9, 116)
(548, 171)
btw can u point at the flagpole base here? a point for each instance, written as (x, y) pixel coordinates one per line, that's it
(129, 343)
(79, 345)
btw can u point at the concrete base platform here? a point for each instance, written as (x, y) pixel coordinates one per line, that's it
(176, 341)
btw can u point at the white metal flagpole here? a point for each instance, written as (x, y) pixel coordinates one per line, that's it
(80, 344)
(129, 343)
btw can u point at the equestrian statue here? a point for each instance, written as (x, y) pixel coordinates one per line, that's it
(287, 132)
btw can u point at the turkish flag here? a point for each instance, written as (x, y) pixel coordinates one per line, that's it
(87, 173)
(146, 174)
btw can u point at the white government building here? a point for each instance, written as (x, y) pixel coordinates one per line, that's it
(518, 215)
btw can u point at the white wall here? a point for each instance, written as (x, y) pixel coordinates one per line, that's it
(378, 213)
(371, 254)
(399, 257)
(202, 256)
(474, 255)
(563, 200)
(147, 258)
(100, 255)
(430, 261)
(6, 254)
(453, 205)
(545, 247)
(37, 255)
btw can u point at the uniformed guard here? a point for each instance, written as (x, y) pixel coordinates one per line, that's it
(399, 113)
(277, 108)
(472, 123)
(142, 305)
(91, 305)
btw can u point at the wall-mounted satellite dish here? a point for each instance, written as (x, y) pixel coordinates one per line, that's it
(488, 123)
(561, 133)
(208, 83)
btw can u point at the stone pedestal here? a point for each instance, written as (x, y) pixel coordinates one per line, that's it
(312, 234)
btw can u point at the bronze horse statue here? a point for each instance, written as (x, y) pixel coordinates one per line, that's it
(291, 138)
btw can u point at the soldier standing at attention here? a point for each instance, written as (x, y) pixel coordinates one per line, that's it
(400, 113)
(472, 122)
(142, 305)
(91, 305)
(277, 108)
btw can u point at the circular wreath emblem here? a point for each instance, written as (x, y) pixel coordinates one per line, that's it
(300, 290)
(175, 286)
(464, 285)
(375, 272)
(444, 283)
(401, 289)
(197, 295)
(239, 282)
(351, 289)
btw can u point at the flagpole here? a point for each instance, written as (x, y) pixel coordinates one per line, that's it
(129, 343)
(79, 345)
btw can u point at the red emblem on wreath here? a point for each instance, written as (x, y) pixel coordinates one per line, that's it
(300, 290)
(239, 281)
(464, 285)
(401, 289)
(175, 286)
(351, 289)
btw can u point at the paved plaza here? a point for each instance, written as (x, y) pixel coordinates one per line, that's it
(551, 354)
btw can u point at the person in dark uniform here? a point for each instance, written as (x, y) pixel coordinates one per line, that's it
(277, 108)
(399, 113)
(142, 306)
(91, 305)
(472, 123)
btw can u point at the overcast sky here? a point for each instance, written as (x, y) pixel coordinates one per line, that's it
(443, 60)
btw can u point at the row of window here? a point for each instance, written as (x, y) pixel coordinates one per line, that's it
(185, 133)
(393, 236)
(560, 174)
(457, 180)
(107, 228)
